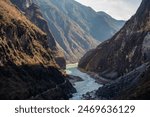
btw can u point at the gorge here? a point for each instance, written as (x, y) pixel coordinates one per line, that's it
(77, 28)
(41, 42)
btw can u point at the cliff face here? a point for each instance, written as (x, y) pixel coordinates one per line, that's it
(77, 28)
(27, 67)
(33, 12)
(133, 85)
(123, 54)
(126, 50)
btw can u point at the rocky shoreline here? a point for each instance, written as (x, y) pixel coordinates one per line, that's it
(74, 79)
(99, 79)
(120, 88)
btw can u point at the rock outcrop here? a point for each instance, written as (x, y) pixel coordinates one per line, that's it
(77, 28)
(27, 67)
(123, 53)
(133, 85)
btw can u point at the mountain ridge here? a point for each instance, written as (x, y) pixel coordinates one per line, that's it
(78, 29)
(27, 66)
(34, 14)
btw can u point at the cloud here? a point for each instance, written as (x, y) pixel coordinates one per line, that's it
(119, 9)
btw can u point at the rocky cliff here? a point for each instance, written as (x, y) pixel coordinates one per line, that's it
(33, 12)
(77, 28)
(123, 53)
(27, 67)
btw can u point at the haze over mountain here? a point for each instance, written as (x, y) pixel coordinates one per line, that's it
(77, 28)
(124, 59)
(119, 9)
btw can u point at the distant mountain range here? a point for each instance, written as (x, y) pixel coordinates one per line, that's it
(124, 59)
(77, 28)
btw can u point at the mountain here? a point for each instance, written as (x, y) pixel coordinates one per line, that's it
(113, 23)
(77, 28)
(124, 59)
(34, 14)
(28, 69)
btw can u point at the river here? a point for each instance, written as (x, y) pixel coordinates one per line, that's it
(87, 85)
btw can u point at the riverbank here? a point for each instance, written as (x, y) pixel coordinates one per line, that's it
(98, 79)
(74, 79)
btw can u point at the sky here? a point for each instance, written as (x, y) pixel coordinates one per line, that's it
(119, 9)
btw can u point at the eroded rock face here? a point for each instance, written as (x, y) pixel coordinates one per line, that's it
(124, 51)
(119, 58)
(33, 12)
(146, 47)
(27, 67)
(134, 85)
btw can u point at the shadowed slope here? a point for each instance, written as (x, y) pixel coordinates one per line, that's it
(124, 59)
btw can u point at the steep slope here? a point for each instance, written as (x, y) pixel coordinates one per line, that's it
(123, 54)
(27, 67)
(33, 12)
(133, 85)
(76, 28)
(124, 51)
